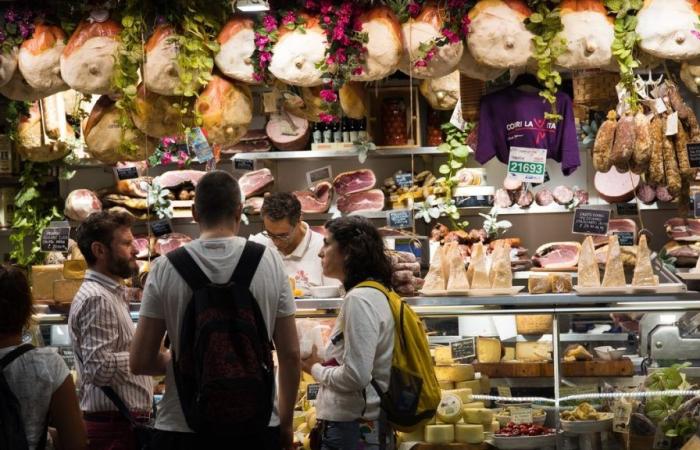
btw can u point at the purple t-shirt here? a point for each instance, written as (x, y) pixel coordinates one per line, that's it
(515, 118)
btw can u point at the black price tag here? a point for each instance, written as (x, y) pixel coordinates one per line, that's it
(625, 237)
(694, 154)
(591, 221)
(316, 175)
(401, 218)
(126, 173)
(312, 391)
(463, 349)
(161, 227)
(244, 164)
(696, 205)
(404, 179)
(627, 209)
(546, 179)
(55, 239)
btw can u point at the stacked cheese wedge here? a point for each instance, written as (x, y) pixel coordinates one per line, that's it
(614, 276)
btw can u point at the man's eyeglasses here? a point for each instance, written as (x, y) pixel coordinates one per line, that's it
(278, 237)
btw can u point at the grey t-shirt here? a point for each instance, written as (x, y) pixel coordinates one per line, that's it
(166, 296)
(33, 378)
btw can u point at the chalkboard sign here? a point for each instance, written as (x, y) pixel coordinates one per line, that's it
(161, 227)
(625, 237)
(694, 154)
(316, 175)
(627, 209)
(55, 239)
(400, 218)
(404, 179)
(244, 164)
(696, 205)
(126, 173)
(312, 391)
(591, 221)
(463, 349)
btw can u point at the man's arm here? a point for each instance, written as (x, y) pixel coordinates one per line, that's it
(288, 357)
(145, 357)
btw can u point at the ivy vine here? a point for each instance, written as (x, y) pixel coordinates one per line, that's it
(625, 42)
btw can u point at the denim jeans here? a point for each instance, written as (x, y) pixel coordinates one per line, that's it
(340, 435)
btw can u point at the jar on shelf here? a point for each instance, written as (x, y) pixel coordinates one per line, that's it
(434, 130)
(6, 156)
(394, 121)
(7, 206)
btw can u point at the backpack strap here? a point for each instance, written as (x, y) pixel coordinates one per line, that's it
(188, 268)
(14, 354)
(248, 264)
(119, 403)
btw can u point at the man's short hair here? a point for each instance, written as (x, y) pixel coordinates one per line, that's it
(100, 227)
(281, 205)
(217, 198)
(15, 300)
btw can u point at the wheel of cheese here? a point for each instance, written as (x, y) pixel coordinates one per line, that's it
(488, 350)
(39, 58)
(417, 435)
(87, 61)
(420, 30)
(464, 394)
(161, 70)
(469, 434)
(384, 44)
(226, 109)
(8, 65)
(450, 409)
(479, 416)
(297, 53)
(439, 434)
(588, 32)
(455, 373)
(237, 44)
(155, 115)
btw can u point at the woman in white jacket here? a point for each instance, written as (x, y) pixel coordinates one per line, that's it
(361, 342)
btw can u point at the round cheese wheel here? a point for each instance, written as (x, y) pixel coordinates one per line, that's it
(439, 434)
(441, 93)
(588, 32)
(469, 434)
(161, 70)
(155, 115)
(450, 409)
(87, 61)
(296, 54)
(8, 65)
(39, 59)
(384, 43)
(226, 108)
(237, 44)
(455, 373)
(665, 29)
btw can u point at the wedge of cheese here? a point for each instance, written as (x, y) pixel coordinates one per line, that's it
(455, 373)
(479, 268)
(643, 272)
(436, 279)
(588, 272)
(501, 275)
(561, 282)
(533, 351)
(539, 284)
(443, 355)
(457, 278)
(488, 350)
(614, 270)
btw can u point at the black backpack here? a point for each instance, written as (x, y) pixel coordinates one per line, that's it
(12, 432)
(224, 370)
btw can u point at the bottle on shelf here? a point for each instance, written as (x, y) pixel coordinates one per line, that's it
(362, 129)
(353, 130)
(317, 132)
(337, 132)
(346, 130)
(327, 133)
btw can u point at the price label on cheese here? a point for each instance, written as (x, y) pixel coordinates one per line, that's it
(694, 154)
(591, 221)
(161, 227)
(622, 411)
(527, 164)
(55, 238)
(521, 415)
(625, 238)
(463, 349)
(399, 219)
(312, 391)
(504, 391)
(244, 164)
(404, 179)
(126, 173)
(316, 175)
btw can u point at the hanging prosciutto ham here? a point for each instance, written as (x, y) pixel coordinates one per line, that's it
(589, 34)
(155, 115)
(39, 59)
(18, 89)
(161, 70)
(421, 30)
(472, 69)
(8, 65)
(237, 44)
(498, 37)
(690, 75)
(226, 109)
(87, 61)
(384, 44)
(44, 138)
(665, 28)
(442, 93)
(353, 100)
(103, 135)
(297, 53)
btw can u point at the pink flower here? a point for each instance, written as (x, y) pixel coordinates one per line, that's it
(431, 54)
(310, 4)
(330, 60)
(413, 9)
(270, 23)
(451, 36)
(338, 33)
(357, 70)
(289, 18)
(257, 77)
(166, 159)
(168, 141)
(357, 25)
(695, 33)
(326, 118)
(326, 19)
(466, 22)
(182, 157)
(265, 57)
(421, 63)
(328, 95)
(326, 7)
(261, 41)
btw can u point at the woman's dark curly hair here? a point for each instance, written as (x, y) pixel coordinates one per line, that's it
(15, 300)
(363, 248)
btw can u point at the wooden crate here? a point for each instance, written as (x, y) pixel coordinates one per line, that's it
(413, 117)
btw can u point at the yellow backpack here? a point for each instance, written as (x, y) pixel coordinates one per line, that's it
(414, 393)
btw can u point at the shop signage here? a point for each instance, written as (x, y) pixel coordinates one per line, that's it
(521, 415)
(55, 237)
(627, 209)
(244, 164)
(399, 219)
(404, 179)
(694, 154)
(527, 164)
(591, 221)
(312, 391)
(316, 175)
(126, 173)
(463, 349)
(161, 227)
(625, 237)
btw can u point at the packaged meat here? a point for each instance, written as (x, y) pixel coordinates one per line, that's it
(563, 195)
(624, 143)
(602, 147)
(655, 175)
(616, 187)
(642, 145)
(673, 175)
(544, 197)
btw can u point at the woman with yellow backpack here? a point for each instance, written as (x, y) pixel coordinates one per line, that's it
(375, 372)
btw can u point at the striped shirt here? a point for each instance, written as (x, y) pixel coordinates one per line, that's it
(101, 331)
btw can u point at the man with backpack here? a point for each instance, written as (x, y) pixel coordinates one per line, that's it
(222, 301)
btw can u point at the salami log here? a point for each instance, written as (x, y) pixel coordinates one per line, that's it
(544, 197)
(646, 194)
(662, 194)
(642, 144)
(671, 170)
(655, 175)
(624, 143)
(682, 154)
(603, 144)
(563, 195)
(525, 199)
(685, 113)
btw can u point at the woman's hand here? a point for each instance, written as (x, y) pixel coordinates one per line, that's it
(307, 364)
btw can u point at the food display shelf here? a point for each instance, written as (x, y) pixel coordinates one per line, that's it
(338, 154)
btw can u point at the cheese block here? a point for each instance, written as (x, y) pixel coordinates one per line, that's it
(482, 416)
(643, 272)
(455, 373)
(464, 394)
(485, 384)
(539, 284)
(533, 323)
(561, 282)
(495, 426)
(74, 269)
(436, 279)
(446, 385)
(439, 434)
(588, 272)
(417, 435)
(443, 355)
(614, 270)
(65, 290)
(501, 275)
(469, 434)
(488, 350)
(508, 354)
(480, 273)
(450, 409)
(474, 385)
(42, 278)
(457, 278)
(533, 351)
(472, 405)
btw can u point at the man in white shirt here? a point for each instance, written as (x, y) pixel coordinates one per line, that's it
(296, 242)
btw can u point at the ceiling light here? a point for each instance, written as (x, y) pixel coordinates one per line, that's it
(252, 5)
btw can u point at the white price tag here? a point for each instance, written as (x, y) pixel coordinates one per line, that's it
(672, 124)
(622, 411)
(660, 106)
(504, 391)
(527, 164)
(521, 415)
(457, 120)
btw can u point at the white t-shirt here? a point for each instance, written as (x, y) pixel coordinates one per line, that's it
(303, 264)
(33, 378)
(166, 296)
